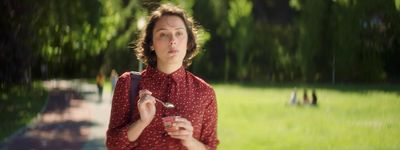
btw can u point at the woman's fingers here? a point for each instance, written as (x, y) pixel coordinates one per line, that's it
(145, 95)
(183, 123)
(185, 129)
(144, 92)
(180, 133)
(146, 99)
(146, 102)
(147, 108)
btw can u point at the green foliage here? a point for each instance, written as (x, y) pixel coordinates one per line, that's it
(397, 3)
(118, 55)
(73, 27)
(211, 62)
(295, 4)
(241, 40)
(369, 39)
(185, 4)
(345, 39)
(313, 40)
(71, 38)
(240, 36)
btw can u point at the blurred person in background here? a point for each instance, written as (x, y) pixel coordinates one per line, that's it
(305, 98)
(293, 97)
(113, 79)
(314, 98)
(100, 83)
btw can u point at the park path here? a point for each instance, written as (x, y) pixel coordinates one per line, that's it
(73, 118)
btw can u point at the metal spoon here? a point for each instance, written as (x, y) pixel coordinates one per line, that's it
(166, 104)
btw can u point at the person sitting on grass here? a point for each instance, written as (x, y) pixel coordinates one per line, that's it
(305, 98)
(314, 98)
(293, 97)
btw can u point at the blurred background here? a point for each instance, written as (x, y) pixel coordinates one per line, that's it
(348, 50)
(338, 41)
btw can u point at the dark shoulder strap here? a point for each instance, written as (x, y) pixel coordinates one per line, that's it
(135, 78)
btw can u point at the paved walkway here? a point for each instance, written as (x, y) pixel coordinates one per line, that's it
(72, 119)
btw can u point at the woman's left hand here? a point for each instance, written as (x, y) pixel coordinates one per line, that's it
(185, 132)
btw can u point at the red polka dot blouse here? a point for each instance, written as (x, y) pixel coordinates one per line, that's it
(193, 98)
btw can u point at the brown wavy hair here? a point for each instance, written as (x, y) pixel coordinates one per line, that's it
(143, 44)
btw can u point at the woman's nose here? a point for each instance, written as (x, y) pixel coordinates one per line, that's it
(172, 42)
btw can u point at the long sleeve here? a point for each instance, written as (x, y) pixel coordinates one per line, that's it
(117, 137)
(209, 129)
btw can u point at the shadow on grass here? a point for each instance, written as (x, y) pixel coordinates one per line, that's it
(18, 105)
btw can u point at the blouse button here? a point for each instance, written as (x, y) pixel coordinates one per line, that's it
(164, 134)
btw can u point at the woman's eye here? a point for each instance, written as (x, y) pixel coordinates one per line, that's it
(178, 33)
(163, 36)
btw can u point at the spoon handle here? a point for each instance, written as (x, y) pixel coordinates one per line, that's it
(160, 101)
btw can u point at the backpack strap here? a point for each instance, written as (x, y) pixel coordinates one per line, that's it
(135, 78)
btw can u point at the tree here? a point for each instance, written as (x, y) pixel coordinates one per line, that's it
(60, 36)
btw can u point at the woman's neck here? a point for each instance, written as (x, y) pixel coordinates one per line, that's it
(168, 68)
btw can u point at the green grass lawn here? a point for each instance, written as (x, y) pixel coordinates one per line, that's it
(18, 105)
(363, 117)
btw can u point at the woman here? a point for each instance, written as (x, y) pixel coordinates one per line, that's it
(166, 46)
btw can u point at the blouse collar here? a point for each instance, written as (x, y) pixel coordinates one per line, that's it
(177, 75)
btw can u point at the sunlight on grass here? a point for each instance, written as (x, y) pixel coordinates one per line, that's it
(260, 118)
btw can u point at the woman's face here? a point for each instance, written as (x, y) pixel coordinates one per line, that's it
(170, 40)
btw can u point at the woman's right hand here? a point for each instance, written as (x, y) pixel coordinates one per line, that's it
(147, 106)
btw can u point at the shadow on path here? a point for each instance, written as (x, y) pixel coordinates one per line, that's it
(63, 124)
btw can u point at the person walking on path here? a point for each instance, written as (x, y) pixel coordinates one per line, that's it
(167, 46)
(113, 79)
(100, 83)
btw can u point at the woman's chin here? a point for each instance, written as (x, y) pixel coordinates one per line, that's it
(175, 57)
(173, 60)
(172, 55)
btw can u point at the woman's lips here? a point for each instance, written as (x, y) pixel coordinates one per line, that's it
(172, 51)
